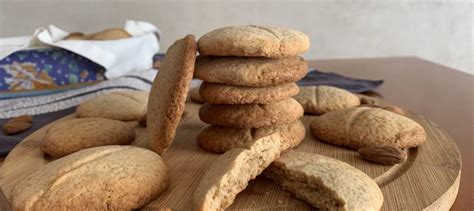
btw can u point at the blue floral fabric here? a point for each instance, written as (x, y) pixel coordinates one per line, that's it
(46, 69)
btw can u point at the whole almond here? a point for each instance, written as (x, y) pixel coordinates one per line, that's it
(383, 154)
(12, 127)
(24, 118)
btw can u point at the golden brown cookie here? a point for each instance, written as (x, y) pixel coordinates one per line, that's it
(253, 41)
(230, 173)
(322, 99)
(226, 94)
(70, 136)
(195, 96)
(363, 127)
(324, 182)
(110, 34)
(240, 71)
(99, 178)
(121, 105)
(168, 93)
(220, 139)
(252, 115)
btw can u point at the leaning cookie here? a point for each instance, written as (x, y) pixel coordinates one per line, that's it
(253, 41)
(252, 71)
(230, 173)
(252, 115)
(99, 178)
(364, 127)
(219, 139)
(226, 94)
(324, 182)
(121, 105)
(168, 93)
(322, 99)
(70, 136)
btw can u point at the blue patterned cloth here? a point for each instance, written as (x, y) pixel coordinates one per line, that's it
(45, 70)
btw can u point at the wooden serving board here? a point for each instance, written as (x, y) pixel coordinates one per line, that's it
(429, 179)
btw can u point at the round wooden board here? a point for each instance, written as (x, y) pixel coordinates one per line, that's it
(429, 179)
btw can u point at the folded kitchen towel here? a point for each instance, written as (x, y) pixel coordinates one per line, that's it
(118, 57)
(316, 78)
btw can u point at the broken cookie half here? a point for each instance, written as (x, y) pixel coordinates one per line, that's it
(324, 182)
(230, 173)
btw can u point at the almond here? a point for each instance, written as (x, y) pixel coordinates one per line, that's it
(383, 154)
(24, 118)
(12, 127)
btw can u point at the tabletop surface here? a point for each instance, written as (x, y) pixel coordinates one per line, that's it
(440, 93)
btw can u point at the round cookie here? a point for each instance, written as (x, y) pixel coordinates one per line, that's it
(122, 105)
(99, 178)
(70, 136)
(195, 96)
(367, 127)
(226, 94)
(253, 41)
(220, 139)
(250, 71)
(168, 93)
(322, 99)
(252, 115)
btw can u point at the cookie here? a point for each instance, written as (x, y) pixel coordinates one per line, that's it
(110, 34)
(220, 139)
(252, 115)
(195, 96)
(99, 178)
(230, 173)
(168, 93)
(121, 105)
(250, 71)
(226, 94)
(324, 182)
(367, 127)
(70, 136)
(322, 99)
(253, 41)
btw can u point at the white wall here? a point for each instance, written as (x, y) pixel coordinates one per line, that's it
(441, 31)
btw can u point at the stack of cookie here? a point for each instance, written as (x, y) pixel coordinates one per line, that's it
(249, 75)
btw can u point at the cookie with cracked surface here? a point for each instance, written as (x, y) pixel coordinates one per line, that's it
(220, 139)
(322, 99)
(253, 41)
(168, 93)
(227, 94)
(252, 115)
(365, 127)
(230, 173)
(70, 136)
(126, 105)
(324, 182)
(252, 71)
(99, 178)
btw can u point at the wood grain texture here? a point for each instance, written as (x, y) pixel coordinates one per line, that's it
(429, 179)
